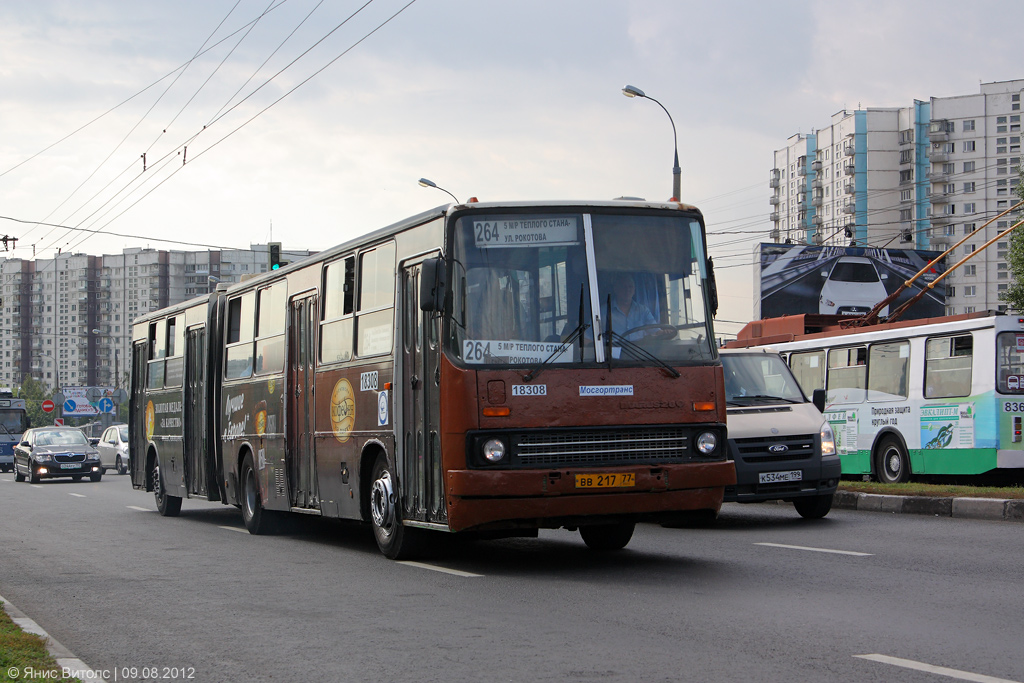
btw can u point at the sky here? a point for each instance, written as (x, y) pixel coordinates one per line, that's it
(309, 122)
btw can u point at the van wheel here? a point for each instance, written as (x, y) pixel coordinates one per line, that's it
(813, 507)
(257, 520)
(607, 537)
(893, 464)
(166, 505)
(395, 540)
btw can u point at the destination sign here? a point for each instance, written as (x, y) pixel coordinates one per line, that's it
(533, 231)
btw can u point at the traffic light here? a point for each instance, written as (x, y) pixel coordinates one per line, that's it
(274, 255)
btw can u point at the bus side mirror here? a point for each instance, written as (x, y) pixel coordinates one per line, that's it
(712, 287)
(818, 399)
(433, 285)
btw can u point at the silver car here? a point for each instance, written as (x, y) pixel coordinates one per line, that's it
(113, 448)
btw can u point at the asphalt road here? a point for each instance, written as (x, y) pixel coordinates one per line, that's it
(123, 587)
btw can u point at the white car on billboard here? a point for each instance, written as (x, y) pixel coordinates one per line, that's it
(852, 287)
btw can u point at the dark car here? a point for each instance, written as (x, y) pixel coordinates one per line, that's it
(48, 452)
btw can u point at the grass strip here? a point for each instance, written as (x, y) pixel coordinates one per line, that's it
(934, 490)
(25, 655)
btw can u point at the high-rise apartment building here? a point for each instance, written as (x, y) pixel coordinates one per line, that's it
(921, 176)
(67, 320)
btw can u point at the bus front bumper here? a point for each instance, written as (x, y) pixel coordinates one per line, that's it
(551, 498)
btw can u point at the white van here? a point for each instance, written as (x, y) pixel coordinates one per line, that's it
(782, 446)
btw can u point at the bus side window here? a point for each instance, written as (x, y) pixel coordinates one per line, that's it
(338, 297)
(947, 366)
(809, 368)
(375, 317)
(241, 316)
(887, 371)
(175, 364)
(157, 353)
(270, 328)
(847, 375)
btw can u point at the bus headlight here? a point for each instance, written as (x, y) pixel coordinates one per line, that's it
(706, 443)
(494, 450)
(828, 440)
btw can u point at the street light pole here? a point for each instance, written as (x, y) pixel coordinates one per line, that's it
(633, 91)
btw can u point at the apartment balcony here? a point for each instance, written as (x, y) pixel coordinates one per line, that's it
(937, 131)
(938, 155)
(818, 200)
(849, 208)
(774, 183)
(940, 197)
(817, 220)
(941, 219)
(774, 216)
(774, 201)
(848, 151)
(937, 176)
(849, 169)
(848, 188)
(816, 165)
(801, 170)
(801, 187)
(940, 242)
(817, 183)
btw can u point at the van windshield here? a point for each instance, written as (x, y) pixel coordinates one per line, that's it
(759, 378)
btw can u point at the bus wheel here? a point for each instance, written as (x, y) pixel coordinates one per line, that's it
(166, 505)
(813, 507)
(607, 537)
(394, 539)
(257, 520)
(893, 464)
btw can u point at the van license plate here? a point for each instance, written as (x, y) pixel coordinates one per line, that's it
(604, 481)
(776, 477)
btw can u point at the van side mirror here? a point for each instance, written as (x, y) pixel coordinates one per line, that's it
(433, 285)
(818, 399)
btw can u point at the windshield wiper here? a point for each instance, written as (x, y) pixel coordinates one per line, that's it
(577, 333)
(766, 397)
(639, 352)
(6, 429)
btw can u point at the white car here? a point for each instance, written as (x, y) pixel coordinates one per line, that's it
(113, 448)
(852, 287)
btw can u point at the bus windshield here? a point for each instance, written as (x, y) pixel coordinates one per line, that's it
(525, 285)
(13, 421)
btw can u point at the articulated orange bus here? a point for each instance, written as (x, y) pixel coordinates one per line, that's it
(479, 368)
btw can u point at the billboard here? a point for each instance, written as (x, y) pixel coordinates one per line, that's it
(800, 278)
(86, 401)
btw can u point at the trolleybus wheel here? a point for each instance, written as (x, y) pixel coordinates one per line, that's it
(813, 507)
(893, 464)
(257, 520)
(607, 537)
(395, 540)
(167, 505)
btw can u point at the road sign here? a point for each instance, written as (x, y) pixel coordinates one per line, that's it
(106, 405)
(94, 393)
(120, 396)
(70, 405)
(48, 406)
(58, 422)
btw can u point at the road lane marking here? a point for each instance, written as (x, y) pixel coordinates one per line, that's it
(136, 507)
(940, 670)
(816, 550)
(76, 495)
(235, 528)
(443, 570)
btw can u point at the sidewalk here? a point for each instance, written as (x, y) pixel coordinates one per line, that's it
(963, 508)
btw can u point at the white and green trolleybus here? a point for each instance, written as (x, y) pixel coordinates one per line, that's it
(939, 396)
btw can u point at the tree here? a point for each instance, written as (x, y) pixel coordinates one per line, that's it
(1015, 257)
(35, 392)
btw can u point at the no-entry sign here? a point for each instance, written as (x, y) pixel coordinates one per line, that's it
(48, 406)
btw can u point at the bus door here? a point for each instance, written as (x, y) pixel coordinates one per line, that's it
(138, 416)
(300, 444)
(195, 411)
(420, 469)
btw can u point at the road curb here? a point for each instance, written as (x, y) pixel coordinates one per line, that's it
(962, 508)
(66, 660)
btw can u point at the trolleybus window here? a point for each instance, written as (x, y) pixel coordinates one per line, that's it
(241, 315)
(947, 368)
(847, 375)
(518, 282)
(157, 353)
(270, 328)
(888, 365)
(1010, 362)
(375, 320)
(339, 295)
(809, 369)
(175, 363)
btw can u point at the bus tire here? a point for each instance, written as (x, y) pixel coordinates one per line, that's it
(893, 463)
(813, 507)
(395, 540)
(607, 537)
(167, 505)
(257, 520)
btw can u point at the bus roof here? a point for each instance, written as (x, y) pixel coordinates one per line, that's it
(789, 328)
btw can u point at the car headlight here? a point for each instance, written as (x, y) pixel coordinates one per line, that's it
(40, 457)
(828, 440)
(494, 450)
(707, 442)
